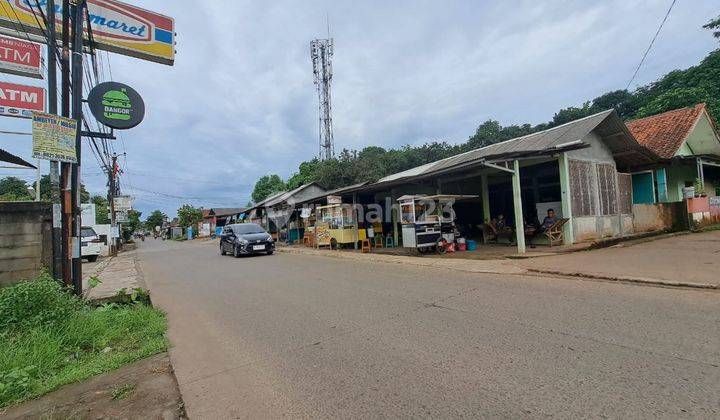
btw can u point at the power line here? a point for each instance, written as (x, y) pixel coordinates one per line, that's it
(651, 45)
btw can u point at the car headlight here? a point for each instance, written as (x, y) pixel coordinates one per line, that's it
(269, 238)
(242, 241)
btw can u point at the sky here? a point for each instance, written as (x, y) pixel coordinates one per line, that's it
(240, 101)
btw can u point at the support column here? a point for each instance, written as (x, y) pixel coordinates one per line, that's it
(568, 235)
(355, 218)
(485, 195)
(517, 202)
(393, 214)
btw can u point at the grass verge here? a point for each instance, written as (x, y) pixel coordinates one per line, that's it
(49, 338)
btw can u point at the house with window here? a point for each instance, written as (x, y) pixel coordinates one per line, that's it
(687, 144)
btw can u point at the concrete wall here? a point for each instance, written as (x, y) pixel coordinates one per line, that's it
(25, 240)
(660, 216)
(591, 228)
(597, 152)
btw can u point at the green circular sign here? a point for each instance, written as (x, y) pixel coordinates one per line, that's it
(116, 105)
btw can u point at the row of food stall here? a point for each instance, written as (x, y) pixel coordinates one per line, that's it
(578, 170)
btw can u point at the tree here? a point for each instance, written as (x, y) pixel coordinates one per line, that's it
(156, 218)
(14, 189)
(714, 24)
(306, 174)
(266, 186)
(101, 209)
(189, 216)
(133, 224)
(46, 190)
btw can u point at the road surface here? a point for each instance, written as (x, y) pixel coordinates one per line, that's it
(300, 336)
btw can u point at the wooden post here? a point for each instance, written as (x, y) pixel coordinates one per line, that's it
(517, 202)
(355, 218)
(568, 235)
(394, 215)
(485, 194)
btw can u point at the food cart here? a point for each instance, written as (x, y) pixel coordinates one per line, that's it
(428, 221)
(336, 225)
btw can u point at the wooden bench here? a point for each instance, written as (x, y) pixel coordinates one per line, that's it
(492, 233)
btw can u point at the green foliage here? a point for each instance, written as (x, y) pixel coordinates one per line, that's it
(14, 189)
(101, 209)
(266, 186)
(677, 89)
(43, 302)
(122, 392)
(46, 192)
(189, 216)
(714, 24)
(49, 338)
(156, 218)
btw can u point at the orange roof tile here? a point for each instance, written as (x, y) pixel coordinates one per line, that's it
(665, 133)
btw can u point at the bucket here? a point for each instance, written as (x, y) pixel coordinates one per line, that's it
(471, 245)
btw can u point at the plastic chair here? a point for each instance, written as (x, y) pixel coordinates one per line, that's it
(365, 246)
(389, 242)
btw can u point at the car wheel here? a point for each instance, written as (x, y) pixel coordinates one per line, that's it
(222, 250)
(92, 258)
(270, 252)
(236, 252)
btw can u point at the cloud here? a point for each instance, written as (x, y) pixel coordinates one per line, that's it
(240, 102)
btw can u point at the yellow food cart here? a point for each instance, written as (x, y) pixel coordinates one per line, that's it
(336, 225)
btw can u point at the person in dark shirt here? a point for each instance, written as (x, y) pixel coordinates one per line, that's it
(548, 221)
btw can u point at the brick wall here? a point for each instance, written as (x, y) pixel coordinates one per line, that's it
(25, 240)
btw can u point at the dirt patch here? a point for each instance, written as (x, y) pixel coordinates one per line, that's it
(145, 389)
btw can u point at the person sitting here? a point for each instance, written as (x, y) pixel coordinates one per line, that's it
(546, 224)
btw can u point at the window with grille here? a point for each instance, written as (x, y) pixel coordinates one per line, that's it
(607, 188)
(582, 187)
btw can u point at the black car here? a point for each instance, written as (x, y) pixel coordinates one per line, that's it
(245, 239)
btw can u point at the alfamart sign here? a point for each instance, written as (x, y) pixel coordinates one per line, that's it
(116, 27)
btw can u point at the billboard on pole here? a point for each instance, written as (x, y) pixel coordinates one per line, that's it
(20, 57)
(21, 100)
(116, 27)
(123, 203)
(54, 137)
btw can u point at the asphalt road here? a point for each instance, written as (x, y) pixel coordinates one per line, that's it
(301, 336)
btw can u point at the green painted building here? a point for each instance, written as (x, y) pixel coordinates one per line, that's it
(687, 144)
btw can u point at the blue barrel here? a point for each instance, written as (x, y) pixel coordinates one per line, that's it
(471, 245)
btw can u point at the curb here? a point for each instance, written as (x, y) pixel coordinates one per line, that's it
(640, 280)
(490, 267)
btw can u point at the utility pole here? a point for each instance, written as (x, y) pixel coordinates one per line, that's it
(111, 201)
(77, 79)
(54, 165)
(66, 200)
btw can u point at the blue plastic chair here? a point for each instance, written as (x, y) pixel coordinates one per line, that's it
(389, 242)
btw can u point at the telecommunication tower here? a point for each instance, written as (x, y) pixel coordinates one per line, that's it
(321, 52)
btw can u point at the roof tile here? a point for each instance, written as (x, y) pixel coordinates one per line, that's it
(665, 133)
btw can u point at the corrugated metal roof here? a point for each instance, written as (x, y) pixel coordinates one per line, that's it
(535, 142)
(337, 191)
(285, 196)
(563, 137)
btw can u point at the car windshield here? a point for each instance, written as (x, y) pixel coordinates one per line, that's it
(86, 232)
(246, 229)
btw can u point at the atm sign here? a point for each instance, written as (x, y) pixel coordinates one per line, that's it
(21, 100)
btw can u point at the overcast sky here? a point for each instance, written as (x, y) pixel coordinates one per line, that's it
(240, 101)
